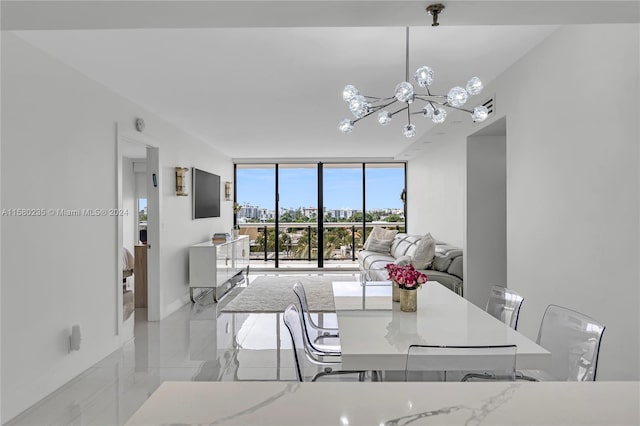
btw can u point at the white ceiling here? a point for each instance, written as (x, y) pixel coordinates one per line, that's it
(257, 92)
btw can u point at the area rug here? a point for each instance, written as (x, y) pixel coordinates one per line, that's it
(274, 293)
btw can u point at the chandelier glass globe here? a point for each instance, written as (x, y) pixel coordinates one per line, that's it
(424, 76)
(349, 92)
(384, 117)
(404, 92)
(358, 106)
(409, 131)
(439, 115)
(480, 113)
(427, 111)
(346, 126)
(457, 97)
(474, 86)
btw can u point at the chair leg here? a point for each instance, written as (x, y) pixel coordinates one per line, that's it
(520, 376)
(339, 372)
(483, 376)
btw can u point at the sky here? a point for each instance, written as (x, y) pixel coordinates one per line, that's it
(342, 187)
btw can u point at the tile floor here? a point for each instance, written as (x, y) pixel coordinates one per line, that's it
(196, 343)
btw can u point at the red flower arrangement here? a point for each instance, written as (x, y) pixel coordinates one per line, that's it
(406, 276)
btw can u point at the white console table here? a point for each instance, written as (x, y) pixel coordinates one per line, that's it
(218, 266)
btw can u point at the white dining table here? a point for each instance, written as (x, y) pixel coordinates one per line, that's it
(376, 335)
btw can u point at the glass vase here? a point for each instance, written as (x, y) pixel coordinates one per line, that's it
(408, 300)
(395, 291)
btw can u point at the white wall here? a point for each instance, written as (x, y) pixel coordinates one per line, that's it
(572, 183)
(59, 151)
(486, 226)
(435, 193)
(129, 237)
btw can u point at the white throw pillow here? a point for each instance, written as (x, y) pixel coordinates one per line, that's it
(380, 246)
(379, 234)
(424, 253)
(402, 260)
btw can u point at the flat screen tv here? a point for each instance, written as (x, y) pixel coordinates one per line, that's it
(206, 194)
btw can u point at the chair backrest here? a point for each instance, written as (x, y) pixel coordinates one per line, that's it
(504, 304)
(291, 319)
(303, 311)
(309, 327)
(298, 289)
(574, 342)
(458, 361)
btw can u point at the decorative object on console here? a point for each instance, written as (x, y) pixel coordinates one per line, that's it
(220, 237)
(235, 231)
(362, 106)
(181, 181)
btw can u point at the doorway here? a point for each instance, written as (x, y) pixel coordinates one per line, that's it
(137, 232)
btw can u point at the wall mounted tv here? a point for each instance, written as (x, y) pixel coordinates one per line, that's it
(206, 194)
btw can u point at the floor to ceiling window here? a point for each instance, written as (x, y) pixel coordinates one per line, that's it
(342, 225)
(316, 214)
(297, 213)
(254, 207)
(385, 183)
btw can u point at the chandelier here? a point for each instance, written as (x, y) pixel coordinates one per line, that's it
(435, 106)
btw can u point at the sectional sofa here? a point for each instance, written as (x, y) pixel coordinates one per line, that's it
(446, 266)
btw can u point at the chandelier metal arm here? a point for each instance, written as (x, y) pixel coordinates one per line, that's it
(373, 110)
(400, 110)
(427, 99)
(458, 108)
(376, 99)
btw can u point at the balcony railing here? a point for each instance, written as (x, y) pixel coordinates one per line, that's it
(299, 240)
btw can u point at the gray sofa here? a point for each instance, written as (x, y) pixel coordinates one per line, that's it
(446, 267)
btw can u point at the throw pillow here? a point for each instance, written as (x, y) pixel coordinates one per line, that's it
(424, 253)
(379, 234)
(380, 246)
(402, 260)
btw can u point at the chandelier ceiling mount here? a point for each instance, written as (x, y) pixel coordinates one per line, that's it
(434, 10)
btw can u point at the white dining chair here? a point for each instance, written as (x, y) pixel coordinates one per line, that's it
(460, 363)
(504, 304)
(303, 355)
(574, 342)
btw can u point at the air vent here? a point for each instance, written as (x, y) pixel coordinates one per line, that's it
(490, 105)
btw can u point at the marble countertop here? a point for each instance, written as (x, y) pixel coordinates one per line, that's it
(388, 404)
